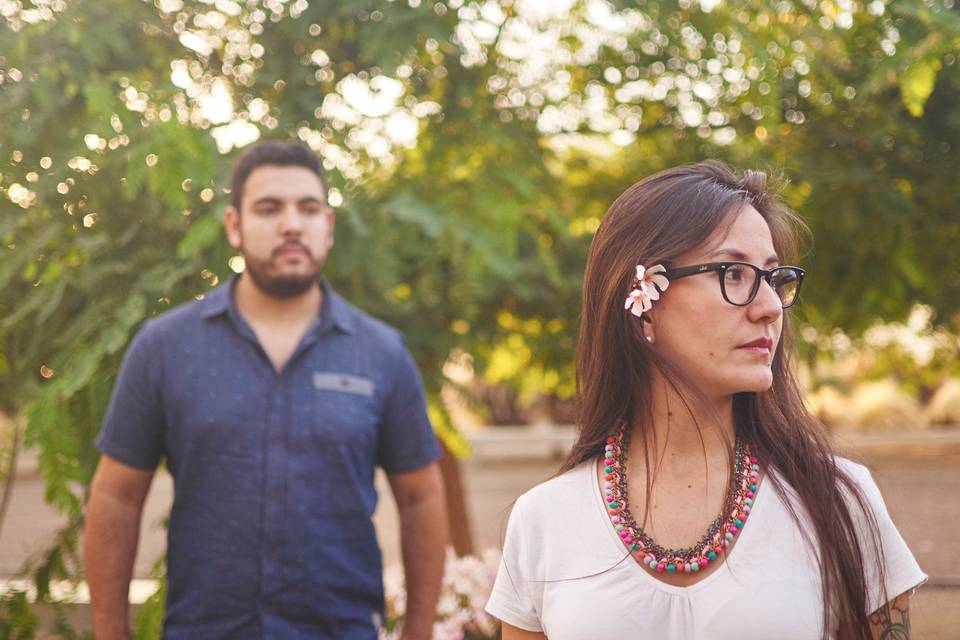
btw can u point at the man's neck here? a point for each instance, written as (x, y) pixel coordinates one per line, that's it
(258, 307)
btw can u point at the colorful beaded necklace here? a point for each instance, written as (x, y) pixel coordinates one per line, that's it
(720, 534)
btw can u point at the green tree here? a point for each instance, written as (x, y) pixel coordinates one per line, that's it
(474, 147)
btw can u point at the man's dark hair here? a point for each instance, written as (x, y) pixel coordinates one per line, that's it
(276, 153)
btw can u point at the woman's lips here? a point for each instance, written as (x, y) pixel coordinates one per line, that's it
(758, 350)
(760, 346)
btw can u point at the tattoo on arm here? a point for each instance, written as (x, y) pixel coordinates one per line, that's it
(892, 621)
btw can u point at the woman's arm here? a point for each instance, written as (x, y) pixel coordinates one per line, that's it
(511, 632)
(889, 622)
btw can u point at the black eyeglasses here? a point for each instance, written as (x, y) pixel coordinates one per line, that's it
(740, 281)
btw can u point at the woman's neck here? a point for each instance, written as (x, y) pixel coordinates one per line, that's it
(683, 432)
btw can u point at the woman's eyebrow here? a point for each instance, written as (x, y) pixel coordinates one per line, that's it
(742, 257)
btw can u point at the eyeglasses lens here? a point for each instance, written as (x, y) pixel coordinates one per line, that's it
(786, 282)
(739, 281)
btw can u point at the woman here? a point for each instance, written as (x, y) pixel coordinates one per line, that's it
(688, 409)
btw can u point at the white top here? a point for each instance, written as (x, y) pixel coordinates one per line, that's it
(566, 573)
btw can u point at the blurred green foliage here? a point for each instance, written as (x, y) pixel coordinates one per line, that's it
(17, 621)
(472, 238)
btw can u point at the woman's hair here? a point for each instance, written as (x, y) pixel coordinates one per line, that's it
(655, 221)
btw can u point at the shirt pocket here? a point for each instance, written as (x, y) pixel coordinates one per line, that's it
(345, 409)
(340, 446)
(343, 383)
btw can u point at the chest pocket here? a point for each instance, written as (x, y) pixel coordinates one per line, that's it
(341, 444)
(345, 383)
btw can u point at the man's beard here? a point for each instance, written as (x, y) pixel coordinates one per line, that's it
(281, 286)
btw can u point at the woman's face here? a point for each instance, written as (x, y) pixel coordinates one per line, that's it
(707, 337)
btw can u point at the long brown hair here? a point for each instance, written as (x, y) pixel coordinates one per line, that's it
(655, 221)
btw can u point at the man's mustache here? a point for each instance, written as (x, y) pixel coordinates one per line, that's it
(292, 243)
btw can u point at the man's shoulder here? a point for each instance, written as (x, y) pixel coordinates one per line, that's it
(174, 322)
(370, 328)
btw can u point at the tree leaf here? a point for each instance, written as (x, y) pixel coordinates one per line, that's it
(917, 83)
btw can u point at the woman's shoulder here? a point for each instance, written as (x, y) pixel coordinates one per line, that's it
(862, 479)
(859, 475)
(855, 470)
(561, 492)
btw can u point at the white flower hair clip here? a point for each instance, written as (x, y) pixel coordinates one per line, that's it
(646, 287)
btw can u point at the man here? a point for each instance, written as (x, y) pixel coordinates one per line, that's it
(272, 400)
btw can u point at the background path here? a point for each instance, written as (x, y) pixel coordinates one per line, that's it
(919, 475)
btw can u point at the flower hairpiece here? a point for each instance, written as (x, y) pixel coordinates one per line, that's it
(645, 289)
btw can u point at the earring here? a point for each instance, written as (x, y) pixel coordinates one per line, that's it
(650, 339)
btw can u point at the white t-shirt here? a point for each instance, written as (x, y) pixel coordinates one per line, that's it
(566, 573)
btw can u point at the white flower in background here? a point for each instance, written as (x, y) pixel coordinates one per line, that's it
(467, 582)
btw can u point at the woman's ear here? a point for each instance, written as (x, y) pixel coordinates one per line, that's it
(646, 325)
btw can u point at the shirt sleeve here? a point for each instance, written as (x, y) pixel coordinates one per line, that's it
(901, 572)
(133, 428)
(510, 600)
(406, 438)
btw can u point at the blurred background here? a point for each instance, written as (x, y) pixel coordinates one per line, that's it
(472, 148)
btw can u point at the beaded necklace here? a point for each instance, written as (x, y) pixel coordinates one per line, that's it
(720, 534)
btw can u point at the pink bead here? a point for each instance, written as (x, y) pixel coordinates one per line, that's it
(733, 530)
(749, 494)
(628, 539)
(704, 562)
(615, 519)
(608, 461)
(661, 567)
(753, 459)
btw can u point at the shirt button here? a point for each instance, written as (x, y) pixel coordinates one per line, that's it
(275, 439)
(275, 492)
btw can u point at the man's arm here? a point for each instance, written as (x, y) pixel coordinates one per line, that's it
(892, 620)
(110, 543)
(423, 538)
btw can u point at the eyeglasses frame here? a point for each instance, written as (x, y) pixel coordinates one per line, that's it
(721, 268)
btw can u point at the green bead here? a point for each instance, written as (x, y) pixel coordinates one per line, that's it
(671, 568)
(614, 504)
(712, 555)
(739, 524)
(694, 566)
(634, 547)
(753, 487)
(748, 500)
(653, 565)
(729, 536)
(620, 527)
(608, 469)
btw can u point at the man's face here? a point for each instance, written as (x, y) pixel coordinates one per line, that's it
(284, 229)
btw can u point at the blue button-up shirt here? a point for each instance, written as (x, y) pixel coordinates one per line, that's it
(270, 533)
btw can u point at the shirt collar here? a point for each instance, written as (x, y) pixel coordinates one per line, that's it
(334, 311)
(218, 301)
